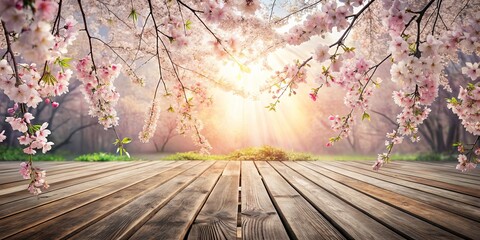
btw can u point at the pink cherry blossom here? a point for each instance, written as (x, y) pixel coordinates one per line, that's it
(2, 136)
(321, 53)
(28, 117)
(25, 170)
(18, 124)
(29, 151)
(463, 164)
(472, 70)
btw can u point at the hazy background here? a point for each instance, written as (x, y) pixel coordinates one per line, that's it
(234, 122)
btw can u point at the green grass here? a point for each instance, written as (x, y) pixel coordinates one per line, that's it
(193, 156)
(101, 157)
(17, 154)
(267, 153)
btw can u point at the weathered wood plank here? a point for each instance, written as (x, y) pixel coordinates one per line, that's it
(448, 167)
(439, 174)
(18, 180)
(23, 195)
(352, 222)
(87, 171)
(218, 217)
(436, 197)
(122, 223)
(176, 217)
(33, 217)
(402, 222)
(303, 220)
(14, 175)
(108, 207)
(259, 217)
(50, 196)
(440, 183)
(7, 166)
(456, 224)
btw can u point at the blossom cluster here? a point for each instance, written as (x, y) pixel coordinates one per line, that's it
(98, 90)
(176, 30)
(288, 79)
(187, 105)
(150, 125)
(36, 175)
(467, 107)
(417, 69)
(26, 83)
(216, 11)
(322, 22)
(34, 136)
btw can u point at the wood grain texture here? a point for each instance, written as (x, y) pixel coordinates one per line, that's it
(54, 188)
(84, 171)
(304, 222)
(443, 183)
(218, 217)
(449, 175)
(353, 223)
(279, 200)
(259, 216)
(426, 194)
(30, 202)
(69, 224)
(80, 172)
(449, 221)
(175, 218)
(33, 217)
(52, 170)
(122, 223)
(403, 223)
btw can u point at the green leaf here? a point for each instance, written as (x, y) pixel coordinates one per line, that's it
(63, 62)
(271, 107)
(470, 87)
(452, 100)
(334, 139)
(133, 15)
(412, 47)
(188, 24)
(389, 146)
(48, 78)
(365, 116)
(244, 68)
(170, 109)
(32, 129)
(126, 140)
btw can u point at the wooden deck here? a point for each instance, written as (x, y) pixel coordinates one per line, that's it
(242, 200)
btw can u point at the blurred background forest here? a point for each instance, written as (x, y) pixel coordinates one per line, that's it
(299, 124)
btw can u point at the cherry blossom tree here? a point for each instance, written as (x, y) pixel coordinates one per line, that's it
(176, 47)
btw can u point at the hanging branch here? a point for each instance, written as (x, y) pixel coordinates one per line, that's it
(160, 80)
(18, 81)
(271, 10)
(420, 13)
(209, 30)
(299, 10)
(94, 66)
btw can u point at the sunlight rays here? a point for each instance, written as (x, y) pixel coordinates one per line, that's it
(244, 121)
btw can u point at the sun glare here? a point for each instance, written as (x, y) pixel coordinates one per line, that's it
(244, 121)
